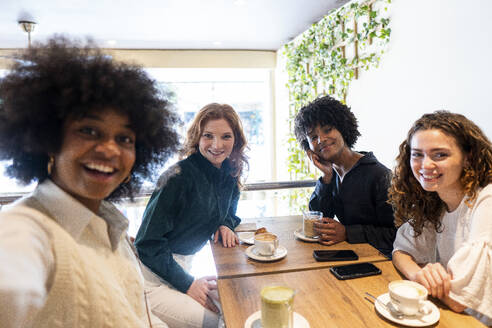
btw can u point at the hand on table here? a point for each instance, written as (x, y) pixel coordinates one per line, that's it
(435, 278)
(330, 231)
(323, 166)
(200, 289)
(228, 237)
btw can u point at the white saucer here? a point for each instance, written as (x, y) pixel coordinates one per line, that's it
(299, 235)
(410, 321)
(253, 253)
(254, 321)
(246, 237)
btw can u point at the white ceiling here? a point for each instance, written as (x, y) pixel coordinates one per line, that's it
(165, 24)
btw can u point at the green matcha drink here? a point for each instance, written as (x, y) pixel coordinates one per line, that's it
(276, 307)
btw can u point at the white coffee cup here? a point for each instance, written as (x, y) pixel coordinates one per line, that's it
(408, 296)
(266, 243)
(308, 220)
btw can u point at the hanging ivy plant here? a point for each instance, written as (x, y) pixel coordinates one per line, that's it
(324, 60)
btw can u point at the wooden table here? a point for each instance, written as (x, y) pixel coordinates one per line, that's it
(323, 300)
(233, 262)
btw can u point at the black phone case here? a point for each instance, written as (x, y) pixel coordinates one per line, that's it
(355, 274)
(318, 256)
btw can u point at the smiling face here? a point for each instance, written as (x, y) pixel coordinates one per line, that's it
(437, 162)
(96, 156)
(216, 141)
(327, 142)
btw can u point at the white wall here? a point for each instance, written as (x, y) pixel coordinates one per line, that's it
(438, 58)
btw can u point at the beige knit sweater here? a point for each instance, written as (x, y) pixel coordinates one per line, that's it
(92, 286)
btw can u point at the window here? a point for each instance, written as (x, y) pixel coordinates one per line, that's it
(246, 90)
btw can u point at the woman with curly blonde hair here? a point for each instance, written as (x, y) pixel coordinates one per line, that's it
(194, 199)
(441, 192)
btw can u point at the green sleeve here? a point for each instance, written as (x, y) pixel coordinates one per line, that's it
(232, 221)
(158, 220)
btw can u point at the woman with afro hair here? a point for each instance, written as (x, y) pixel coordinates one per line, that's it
(88, 130)
(353, 185)
(442, 195)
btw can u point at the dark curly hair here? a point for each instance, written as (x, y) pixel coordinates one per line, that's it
(215, 111)
(410, 201)
(66, 79)
(326, 111)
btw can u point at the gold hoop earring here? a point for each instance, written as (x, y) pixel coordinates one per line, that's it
(51, 163)
(128, 178)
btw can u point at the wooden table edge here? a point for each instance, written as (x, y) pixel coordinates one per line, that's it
(332, 264)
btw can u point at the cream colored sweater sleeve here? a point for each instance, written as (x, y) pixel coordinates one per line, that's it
(27, 264)
(471, 265)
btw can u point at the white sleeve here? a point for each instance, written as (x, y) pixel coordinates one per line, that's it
(421, 248)
(27, 265)
(471, 265)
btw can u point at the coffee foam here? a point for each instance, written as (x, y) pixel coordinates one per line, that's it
(266, 237)
(408, 291)
(277, 294)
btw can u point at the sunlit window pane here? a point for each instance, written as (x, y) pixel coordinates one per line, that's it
(246, 90)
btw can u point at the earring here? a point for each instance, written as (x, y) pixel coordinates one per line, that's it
(128, 178)
(51, 163)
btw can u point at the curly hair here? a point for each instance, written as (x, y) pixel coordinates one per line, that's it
(410, 201)
(65, 79)
(216, 111)
(326, 111)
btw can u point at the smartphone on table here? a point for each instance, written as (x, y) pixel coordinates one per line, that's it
(322, 255)
(357, 270)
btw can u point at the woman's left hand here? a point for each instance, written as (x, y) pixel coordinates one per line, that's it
(229, 238)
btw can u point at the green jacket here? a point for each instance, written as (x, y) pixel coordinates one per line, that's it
(192, 199)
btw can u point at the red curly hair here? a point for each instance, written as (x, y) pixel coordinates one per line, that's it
(215, 111)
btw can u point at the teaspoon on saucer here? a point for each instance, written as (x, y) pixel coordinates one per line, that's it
(388, 306)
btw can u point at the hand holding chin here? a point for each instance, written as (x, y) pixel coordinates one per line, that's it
(322, 165)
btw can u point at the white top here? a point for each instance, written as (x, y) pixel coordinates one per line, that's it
(465, 247)
(27, 257)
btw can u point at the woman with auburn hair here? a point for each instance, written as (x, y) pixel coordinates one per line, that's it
(87, 130)
(193, 200)
(441, 192)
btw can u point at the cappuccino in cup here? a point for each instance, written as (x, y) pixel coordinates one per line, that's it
(266, 243)
(408, 296)
(266, 237)
(276, 307)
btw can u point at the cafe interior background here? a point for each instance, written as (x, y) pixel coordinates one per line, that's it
(424, 56)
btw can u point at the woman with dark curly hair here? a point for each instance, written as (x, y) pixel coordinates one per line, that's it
(442, 193)
(87, 129)
(353, 186)
(195, 198)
